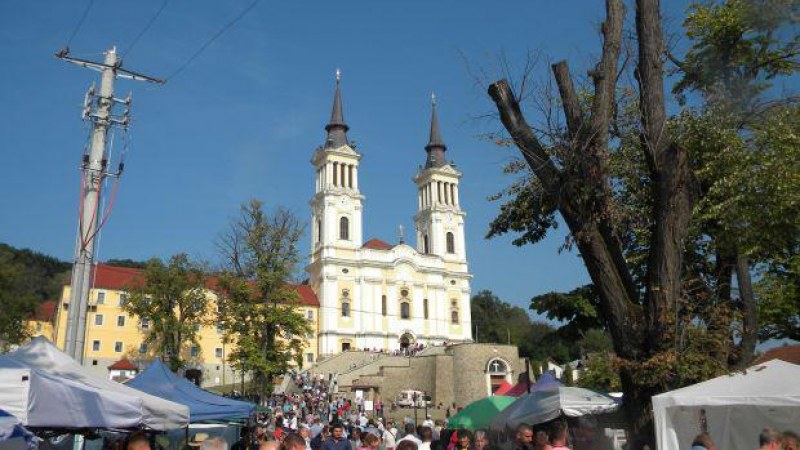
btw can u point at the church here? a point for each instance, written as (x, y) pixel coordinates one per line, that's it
(374, 295)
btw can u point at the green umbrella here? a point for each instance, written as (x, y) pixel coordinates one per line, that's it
(479, 414)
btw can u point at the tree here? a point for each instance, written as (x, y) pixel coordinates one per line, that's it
(636, 264)
(126, 262)
(568, 377)
(599, 373)
(258, 305)
(497, 321)
(18, 305)
(172, 299)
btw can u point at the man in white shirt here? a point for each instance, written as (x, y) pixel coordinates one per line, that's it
(410, 436)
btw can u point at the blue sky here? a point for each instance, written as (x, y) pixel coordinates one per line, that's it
(242, 120)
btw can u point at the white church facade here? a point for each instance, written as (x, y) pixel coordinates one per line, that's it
(375, 295)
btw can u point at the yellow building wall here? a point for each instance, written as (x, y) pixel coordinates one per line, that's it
(111, 333)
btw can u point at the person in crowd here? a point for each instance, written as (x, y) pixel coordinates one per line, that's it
(407, 445)
(790, 440)
(769, 439)
(464, 440)
(390, 436)
(316, 442)
(426, 436)
(337, 441)
(427, 422)
(559, 435)
(293, 441)
(137, 441)
(369, 442)
(523, 439)
(214, 443)
(355, 437)
(269, 445)
(703, 442)
(410, 434)
(482, 440)
(541, 440)
(305, 433)
(588, 437)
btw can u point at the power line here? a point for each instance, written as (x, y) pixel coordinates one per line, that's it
(146, 27)
(80, 22)
(213, 38)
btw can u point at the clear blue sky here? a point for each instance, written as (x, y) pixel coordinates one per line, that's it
(242, 120)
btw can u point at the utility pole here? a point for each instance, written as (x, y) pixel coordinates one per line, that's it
(98, 109)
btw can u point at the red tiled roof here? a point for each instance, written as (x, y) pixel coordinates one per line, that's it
(123, 364)
(307, 295)
(113, 277)
(45, 312)
(118, 278)
(377, 244)
(788, 353)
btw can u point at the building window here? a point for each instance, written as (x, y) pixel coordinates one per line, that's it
(123, 299)
(95, 346)
(319, 231)
(101, 298)
(451, 243)
(142, 348)
(405, 310)
(425, 248)
(425, 307)
(310, 315)
(118, 347)
(309, 357)
(98, 320)
(345, 346)
(344, 229)
(454, 317)
(194, 351)
(120, 321)
(345, 309)
(218, 352)
(383, 304)
(145, 324)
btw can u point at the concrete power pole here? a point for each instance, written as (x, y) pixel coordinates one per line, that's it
(94, 172)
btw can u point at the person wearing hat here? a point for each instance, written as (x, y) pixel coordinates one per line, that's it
(197, 439)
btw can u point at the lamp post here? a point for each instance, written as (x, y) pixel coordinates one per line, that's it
(414, 397)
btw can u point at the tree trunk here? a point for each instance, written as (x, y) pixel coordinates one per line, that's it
(747, 346)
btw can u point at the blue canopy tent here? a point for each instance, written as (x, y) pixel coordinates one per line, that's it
(547, 380)
(204, 406)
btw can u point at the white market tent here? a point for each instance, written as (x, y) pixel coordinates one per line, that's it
(154, 413)
(46, 401)
(550, 403)
(735, 407)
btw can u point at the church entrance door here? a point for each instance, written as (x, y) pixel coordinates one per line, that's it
(406, 340)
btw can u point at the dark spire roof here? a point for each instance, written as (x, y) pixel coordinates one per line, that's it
(336, 128)
(435, 147)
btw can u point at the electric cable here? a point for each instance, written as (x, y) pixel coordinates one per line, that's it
(213, 38)
(144, 30)
(80, 22)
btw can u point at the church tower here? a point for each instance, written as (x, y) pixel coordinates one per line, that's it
(337, 203)
(439, 220)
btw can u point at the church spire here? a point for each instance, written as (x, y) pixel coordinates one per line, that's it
(336, 128)
(435, 147)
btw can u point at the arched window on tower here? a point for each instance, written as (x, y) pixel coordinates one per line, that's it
(344, 229)
(405, 310)
(319, 231)
(425, 248)
(383, 304)
(454, 317)
(425, 308)
(451, 243)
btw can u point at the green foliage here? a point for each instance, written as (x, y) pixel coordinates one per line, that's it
(737, 47)
(600, 373)
(577, 310)
(172, 298)
(258, 306)
(26, 279)
(779, 300)
(568, 376)
(495, 320)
